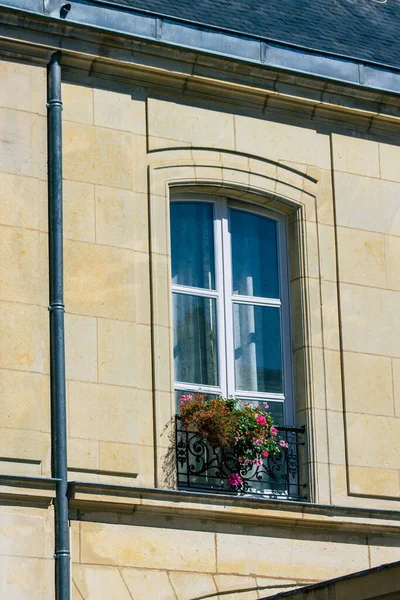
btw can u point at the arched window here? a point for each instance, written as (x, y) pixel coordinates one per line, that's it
(230, 290)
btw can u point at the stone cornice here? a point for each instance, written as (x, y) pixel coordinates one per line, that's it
(96, 496)
(169, 69)
(26, 489)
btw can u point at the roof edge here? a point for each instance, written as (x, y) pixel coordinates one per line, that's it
(100, 14)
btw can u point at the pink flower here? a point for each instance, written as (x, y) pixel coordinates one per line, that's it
(265, 404)
(274, 432)
(258, 442)
(258, 462)
(261, 420)
(246, 462)
(264, 454)
(234, 480)
(283, 444)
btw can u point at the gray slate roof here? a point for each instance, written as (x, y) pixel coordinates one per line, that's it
(368, 30)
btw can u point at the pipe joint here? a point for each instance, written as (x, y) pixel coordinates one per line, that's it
(62, 554)
(52, 103)
(56, 306)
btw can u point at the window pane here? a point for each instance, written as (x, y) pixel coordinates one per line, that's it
(254, 255)
(257, 337)
(195, 339)
(192, 244)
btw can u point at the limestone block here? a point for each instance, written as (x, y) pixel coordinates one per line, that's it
(146, 477)
(20, 268)
(83, 454)
(159, 221)
(24, 400)
(114, 110)
(336, 437)
(192, 124)
(119, 458)
(315, 323)
(81, 347)
(139, 165)
(165, 410)
(21, 198)
(232, 583)
(99, 280)
(144, 357)
(392, 250)
(161, 289)
(298, 313)
(30, 468)
(312, 249)
(367, 203)
(327, 252)
(148, 547)
(24, 535)
(384, 549)
(318, 556)
(192, 585)
(23, 87)
(23, 445)
(142, 288)
(157, 143)
(330, 315)
(368, 383)
(26, 578)
(301, 379)
(77, 103)
(102, 412)
(320, 433)
(271, 587)
(389, 161)
(333, 375)
(117, 350)
(282, 142)
(396, 385)
(75, 529)
(355, 155)
(374, 482)
(317, 377)
(145, 417)
(115, 217)
(24, 337)
(148, 584)
(370, 320)
(24, 135)
(324, 194)
(361, 257)
(163, 376)
(382, 435)
(97, 155)
(141, 222)
(100, 583)
(79, 211)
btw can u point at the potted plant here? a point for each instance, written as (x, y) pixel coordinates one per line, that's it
(246, 429)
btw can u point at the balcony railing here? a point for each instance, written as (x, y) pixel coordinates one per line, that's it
(202, 467)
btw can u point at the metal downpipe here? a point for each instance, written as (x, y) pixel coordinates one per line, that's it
(57, 347)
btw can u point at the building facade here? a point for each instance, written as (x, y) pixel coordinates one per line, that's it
(184, 145)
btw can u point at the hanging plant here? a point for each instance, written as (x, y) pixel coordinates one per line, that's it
(246, 429)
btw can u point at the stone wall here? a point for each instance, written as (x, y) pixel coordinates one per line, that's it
(126, 148)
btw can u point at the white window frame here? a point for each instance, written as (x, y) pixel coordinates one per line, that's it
(225, 299)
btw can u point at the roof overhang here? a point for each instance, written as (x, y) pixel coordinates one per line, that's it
(139, 24)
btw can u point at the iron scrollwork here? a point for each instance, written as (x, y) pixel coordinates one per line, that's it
(203, 467)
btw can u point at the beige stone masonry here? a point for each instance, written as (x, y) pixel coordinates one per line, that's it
(364, 202)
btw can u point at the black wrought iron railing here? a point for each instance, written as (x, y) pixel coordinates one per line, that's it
(202, 467)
